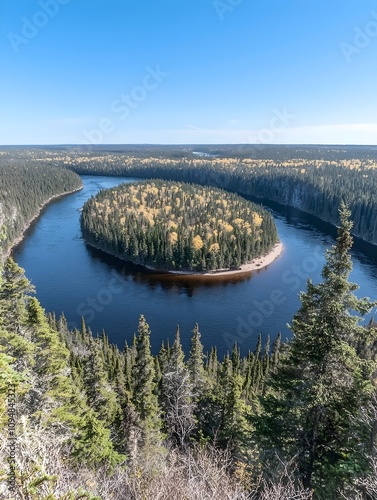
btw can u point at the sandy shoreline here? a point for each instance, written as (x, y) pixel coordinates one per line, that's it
(254, 265)
(18, 240)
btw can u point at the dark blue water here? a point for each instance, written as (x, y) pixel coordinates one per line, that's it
(111, 295)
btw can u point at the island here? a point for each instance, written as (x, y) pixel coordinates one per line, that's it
(180, 227)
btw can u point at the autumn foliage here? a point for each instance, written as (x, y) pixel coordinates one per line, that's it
(177, 226)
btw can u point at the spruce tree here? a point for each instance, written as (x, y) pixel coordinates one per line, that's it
(234, 427)
(315, 395)
(100, 394)
(177, 395)
(144, 397)
(195, 363)
(14, 291)
(55, 401)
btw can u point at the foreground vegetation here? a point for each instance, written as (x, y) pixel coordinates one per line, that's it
(177, 226)
(291, 421)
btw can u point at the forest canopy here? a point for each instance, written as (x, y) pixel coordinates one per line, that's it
(25, 187)
(314, 179)
(177, 226)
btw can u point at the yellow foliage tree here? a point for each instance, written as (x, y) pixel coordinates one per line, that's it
(197, 242)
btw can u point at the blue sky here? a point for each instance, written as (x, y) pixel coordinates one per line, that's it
(188, 71)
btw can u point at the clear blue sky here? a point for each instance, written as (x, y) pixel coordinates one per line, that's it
(188, 71)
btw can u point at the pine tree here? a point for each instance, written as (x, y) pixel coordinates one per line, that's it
(321, 383)
(234, 427)
(92, 444)
(14, 291)
(236, 359)
(55, 401)
(212, 366)
(101, 396)
(177, 395)
(257, 372)
(276, 348)
(129, 363)
(195, 363)
(144, 397)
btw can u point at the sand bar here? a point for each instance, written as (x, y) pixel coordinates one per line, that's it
(254, 265)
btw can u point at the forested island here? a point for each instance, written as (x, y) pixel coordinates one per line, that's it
(177, 226)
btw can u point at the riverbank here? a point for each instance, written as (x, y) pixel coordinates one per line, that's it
(258, 263)
(249, 267)
(254, 265)
(19, 238)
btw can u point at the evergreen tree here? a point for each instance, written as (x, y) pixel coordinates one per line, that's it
(177, 395)
(101, 395)
(144, 397)
(55, 401)
(195, 363)
(14, 291)
(234, 427)
(321, 383)
(92, 444)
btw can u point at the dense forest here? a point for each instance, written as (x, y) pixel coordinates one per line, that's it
(316, 186)
(177, 226)
(82, 418)
(25, 188)
(314, 179)
(294, 421)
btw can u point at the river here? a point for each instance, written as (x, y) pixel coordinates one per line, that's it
(111, 294)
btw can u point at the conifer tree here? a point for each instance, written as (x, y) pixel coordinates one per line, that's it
(257, 372)
(195, 363)
(144, 397)
(234, 427)
(276, 347)
(129, 362)
(236, 359)
(321, 383)
(100, 394)
(177, 395)
(212, 365)
(92, 443)
(14, 290)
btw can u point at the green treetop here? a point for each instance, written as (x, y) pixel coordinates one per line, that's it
(316, 393)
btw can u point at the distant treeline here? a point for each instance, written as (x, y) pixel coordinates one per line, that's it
(316, 186)
(25, 187)
(177, 226)
(314, 179)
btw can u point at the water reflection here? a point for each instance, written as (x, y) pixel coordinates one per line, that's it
(181, 283)
(111, 294)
